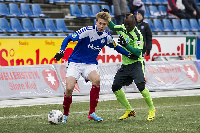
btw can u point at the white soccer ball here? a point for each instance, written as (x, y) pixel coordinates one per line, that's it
(55, 117)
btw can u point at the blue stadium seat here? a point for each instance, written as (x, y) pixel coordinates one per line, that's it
(162, 10)
(158, 25)
(49, 25)
(150, 24)
(27, 35)
(176, 25)
(60, 25)
(27, 25)
(38, 35)
(85, 10)
(189, 33)
(158, 2)
(147, 13)
(75, 11)
(4, 25)
(170, 33)
(9, 0)
(59, 1)
(167, 25)
(154, 11)
(164, 2)
(20, 0)
(194, 25)
(38, 25)
(99, 1)
(25, 10)
(161, 33)
(180, 33)
(16, 26)
(185, 25)
(197, 33)
(36, 10)
(61, 34)
(149, 2)
(14, 35)
(107, 7)
(95, 9)
(50, 34)
(14, 10)
(4, 11)
(128, 9)
(3, 35)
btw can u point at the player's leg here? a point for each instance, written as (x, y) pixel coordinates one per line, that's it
(71, 78)
(93, 76)
(140, 83)
(119, 81)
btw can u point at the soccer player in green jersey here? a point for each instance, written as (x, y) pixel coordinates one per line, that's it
(131, 70)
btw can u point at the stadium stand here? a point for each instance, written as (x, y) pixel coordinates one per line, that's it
(50, 34)
(14, 35)
(65, 16)
(38, 35)
(61, 34)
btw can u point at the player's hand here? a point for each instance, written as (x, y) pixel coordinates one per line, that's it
(148, 52)
(133, 57)
(105, 10)
(59, 55)
(122, 41)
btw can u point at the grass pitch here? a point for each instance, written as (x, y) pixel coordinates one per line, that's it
(174, 114)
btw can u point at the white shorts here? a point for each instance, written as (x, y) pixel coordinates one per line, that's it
(80, 69)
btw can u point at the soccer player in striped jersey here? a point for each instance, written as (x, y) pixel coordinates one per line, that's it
(83, 62)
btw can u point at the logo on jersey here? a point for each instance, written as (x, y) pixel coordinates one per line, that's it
(103, 41)
(74, 35)
(138, 43)
(127, 40)
(142, 27)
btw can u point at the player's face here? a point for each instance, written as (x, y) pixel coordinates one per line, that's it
(139, 17)
(129, 24)
(101, 24)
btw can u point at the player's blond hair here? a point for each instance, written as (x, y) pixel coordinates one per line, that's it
(103, 15)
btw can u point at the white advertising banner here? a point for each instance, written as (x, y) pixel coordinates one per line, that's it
(171, 75)
(29, 81)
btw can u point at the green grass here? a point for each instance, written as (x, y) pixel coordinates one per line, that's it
(174, 114)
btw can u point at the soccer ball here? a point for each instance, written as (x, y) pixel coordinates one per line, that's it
(55, 117)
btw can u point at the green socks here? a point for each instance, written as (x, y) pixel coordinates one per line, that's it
(120, 95)
(147, 97)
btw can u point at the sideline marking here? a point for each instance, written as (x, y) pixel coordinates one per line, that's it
(26, 116)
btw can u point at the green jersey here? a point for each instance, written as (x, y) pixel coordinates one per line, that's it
(133, 38)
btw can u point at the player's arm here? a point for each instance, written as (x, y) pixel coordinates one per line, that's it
(135, 51)
(121, 50)
(65, 42)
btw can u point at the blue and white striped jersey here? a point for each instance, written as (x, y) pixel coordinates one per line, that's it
(90, 43)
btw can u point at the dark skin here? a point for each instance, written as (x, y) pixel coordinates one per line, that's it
(129, 23)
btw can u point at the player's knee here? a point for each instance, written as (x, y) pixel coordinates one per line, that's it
(116, 87)
(141, 86)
